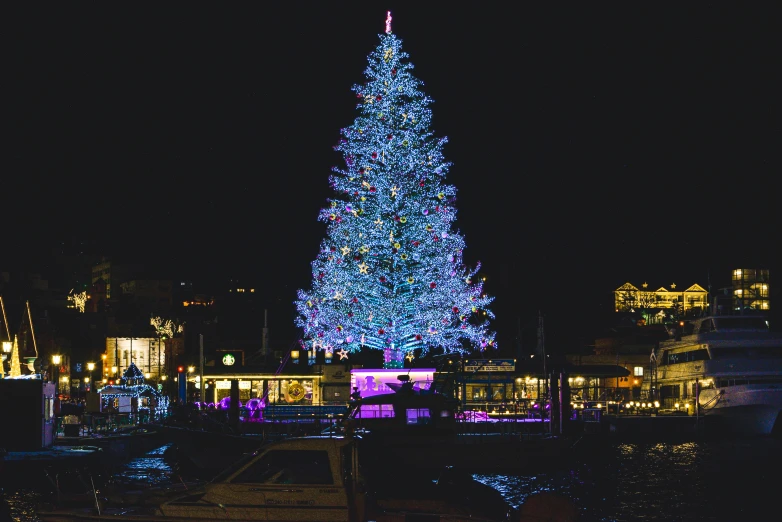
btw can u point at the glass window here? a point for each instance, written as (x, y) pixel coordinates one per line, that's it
(638, 371)
(288, 467)
(418, 416)
(368, 411)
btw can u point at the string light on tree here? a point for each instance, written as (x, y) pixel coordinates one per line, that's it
(16, 367)
(390, 273)
(78, 301)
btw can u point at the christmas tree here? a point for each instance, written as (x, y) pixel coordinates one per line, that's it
(16, 368)
(390, 274)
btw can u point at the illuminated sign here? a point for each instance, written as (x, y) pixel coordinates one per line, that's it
(375, 382)
(229, 359)
(492, 365)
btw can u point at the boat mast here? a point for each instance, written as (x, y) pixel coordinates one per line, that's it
(5, 319)
(32, 331)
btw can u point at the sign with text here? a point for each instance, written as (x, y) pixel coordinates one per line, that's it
(491, 365)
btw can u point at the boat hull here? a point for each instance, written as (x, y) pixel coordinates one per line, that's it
(750, 409)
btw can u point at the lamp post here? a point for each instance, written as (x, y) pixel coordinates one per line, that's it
(7, 347)
(56, 360)
(190, 370)
(90, 368)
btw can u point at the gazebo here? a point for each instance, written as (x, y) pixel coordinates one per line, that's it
(132, 396)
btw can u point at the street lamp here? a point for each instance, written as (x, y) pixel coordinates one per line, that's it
(56, 360)
(90, 368)
(7, 347)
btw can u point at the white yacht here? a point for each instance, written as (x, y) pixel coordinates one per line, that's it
(730, 366)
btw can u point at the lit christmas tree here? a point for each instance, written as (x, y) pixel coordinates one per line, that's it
(16, 367)
(390, 275)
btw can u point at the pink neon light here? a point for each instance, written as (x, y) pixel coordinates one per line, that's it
(388, 23)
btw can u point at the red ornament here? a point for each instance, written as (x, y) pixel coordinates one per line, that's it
(372, 189)
(378, 97)
(393, 72)
(382, 279)
(455, 310)
(355, 299)
(432, 285)
(390, 136)
(374, 155)
(421, 183)
(417, 337)
(333, 249)
(381, 332)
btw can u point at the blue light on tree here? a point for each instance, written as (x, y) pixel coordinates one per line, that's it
(390, 274)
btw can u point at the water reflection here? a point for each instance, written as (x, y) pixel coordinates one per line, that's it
(152, 469)
(712, 480)
(149, 470)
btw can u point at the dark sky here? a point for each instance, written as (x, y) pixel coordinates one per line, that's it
(591, 145)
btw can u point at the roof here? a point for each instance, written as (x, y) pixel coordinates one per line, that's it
(598, 370)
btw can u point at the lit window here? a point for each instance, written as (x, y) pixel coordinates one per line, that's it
(638, 371)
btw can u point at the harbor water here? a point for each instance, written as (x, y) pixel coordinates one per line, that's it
(727, 479)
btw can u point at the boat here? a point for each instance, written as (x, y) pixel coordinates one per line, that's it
(121, 444)
(419, 428)
(723, 367)
(316, 478)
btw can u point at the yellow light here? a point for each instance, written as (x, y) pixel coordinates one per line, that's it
(90, 366)
(190, 369)
(105, 381)
(294, 354)
(676, 405)
(113, 369)
(147, 375)
(86, 379)
(164, 378)
(57, 359)
(599, 405)
(656, 404)
(103, 356)
(7, 346)
(64, 379)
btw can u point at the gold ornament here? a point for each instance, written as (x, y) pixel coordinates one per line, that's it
(296, 392)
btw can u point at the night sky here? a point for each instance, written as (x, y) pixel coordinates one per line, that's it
(591, 145)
